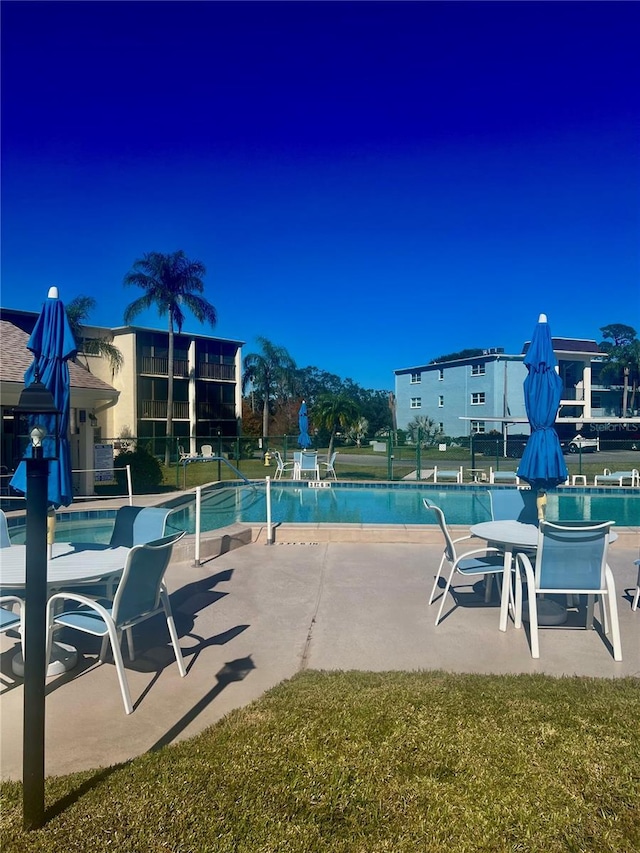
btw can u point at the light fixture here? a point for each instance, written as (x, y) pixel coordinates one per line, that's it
(36, 423)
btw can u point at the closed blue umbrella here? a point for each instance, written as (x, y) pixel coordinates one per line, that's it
(303, 423)
(542, 464)
(52, 344)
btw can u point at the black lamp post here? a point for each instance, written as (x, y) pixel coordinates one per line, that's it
(36, 427)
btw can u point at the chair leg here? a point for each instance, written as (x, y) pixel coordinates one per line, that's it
(173, 634)
(613, 608)
(444, 595)
(533, 623)
(117, 659)
(636, 598)
(435, 583)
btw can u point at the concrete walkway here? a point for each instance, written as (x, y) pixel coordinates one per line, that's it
(259, 614)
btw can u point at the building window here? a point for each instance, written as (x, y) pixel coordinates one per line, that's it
(441, 374)
(477, 369)
(478, 427)
(441, 427)
(596, 401)
(415, 378)
(440, 401)
(477, 399)
(416, 402)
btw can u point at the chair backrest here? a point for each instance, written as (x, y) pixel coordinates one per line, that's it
(150, 524)
(5, 539)
(449, 547)
(308, 461)
(297, 457)
(123, 528)
(141, 583)
(206, 450)
(136, 525)
(333, 458)
(572, 556)
(514, 505)
(279, 460)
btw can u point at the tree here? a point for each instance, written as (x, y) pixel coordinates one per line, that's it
(170, 283)
(333, 412)
(358, 431)
(623, 350)
(78, 311)
(271, 373)
(425, 428)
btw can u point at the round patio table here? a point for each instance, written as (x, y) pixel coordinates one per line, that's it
(72, 564)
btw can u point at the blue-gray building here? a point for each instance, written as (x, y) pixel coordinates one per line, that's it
(482, 393)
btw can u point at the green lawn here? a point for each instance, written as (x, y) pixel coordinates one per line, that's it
(363, 762)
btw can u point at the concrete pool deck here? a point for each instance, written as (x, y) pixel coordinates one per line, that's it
(254, 615)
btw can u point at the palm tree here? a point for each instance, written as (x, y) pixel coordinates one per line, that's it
(425, 429)
(78, 311)
(170, 282)
(268, 372)
(623, 356)
(334, 411)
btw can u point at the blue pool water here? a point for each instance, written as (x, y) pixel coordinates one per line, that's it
(395, 504)
(350, 504)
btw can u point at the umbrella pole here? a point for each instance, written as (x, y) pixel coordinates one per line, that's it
(51, 530)
(541, 503)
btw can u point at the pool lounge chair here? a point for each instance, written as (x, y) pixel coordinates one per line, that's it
(617, 478)
(509, 477)
(441, 475)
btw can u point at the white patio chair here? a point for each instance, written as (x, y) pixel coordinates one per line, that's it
(282, 467)
(5, 539)
(572, 558)
(206, 451)
(513, 504)
(330, 466)
(309, 464)
(10, 620)
(489, 563)
(636, 597)
(141, 594)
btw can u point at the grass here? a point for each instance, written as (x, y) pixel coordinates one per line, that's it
(371, 762)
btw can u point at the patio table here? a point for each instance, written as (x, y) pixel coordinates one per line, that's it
(510, 536)
(72, 564)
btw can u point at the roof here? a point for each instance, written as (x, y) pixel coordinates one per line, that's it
(15, 358)
(571, 345)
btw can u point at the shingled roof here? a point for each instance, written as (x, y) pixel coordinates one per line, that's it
(15, 358)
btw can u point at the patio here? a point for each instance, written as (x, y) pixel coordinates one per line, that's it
(258, 614)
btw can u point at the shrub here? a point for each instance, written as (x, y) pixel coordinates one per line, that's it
(146, 471)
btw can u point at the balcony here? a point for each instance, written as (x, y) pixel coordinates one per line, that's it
(157, 410)
(215, 411)
(224, 372)
(155, 366)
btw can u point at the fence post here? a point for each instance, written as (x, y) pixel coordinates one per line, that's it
(389, 457)
(419, 455)
(196, 561)
(129, 486)
(269, 526)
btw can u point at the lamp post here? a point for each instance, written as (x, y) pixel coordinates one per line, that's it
(36, 428)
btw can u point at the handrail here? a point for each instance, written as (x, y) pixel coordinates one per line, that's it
(185, 462)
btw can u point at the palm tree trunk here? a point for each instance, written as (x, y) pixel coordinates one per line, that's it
(625, 392)
(265, 417)
(167, 450)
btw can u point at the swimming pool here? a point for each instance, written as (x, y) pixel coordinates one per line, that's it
(389, 504)
(346, 503)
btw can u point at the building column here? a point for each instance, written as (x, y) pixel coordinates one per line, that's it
(193, 369)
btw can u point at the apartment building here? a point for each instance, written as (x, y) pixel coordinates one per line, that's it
(481, 393)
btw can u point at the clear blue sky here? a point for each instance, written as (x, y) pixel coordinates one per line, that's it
(370, 185)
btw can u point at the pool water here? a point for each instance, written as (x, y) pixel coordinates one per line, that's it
(349, 504)
(387, 505)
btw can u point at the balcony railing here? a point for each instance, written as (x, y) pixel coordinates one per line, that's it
(225, 372)
(160, 366)
(157, 409)
(215, 411)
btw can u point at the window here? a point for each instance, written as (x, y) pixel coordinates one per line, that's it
(596, 401)
(416, 402)
(477, 399)
(478, 427)
(441, 374)
(440, 401)
(415, 378)
(477, 369)
(441, 427)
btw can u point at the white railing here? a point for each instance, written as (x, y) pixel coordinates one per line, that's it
(5, 479)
